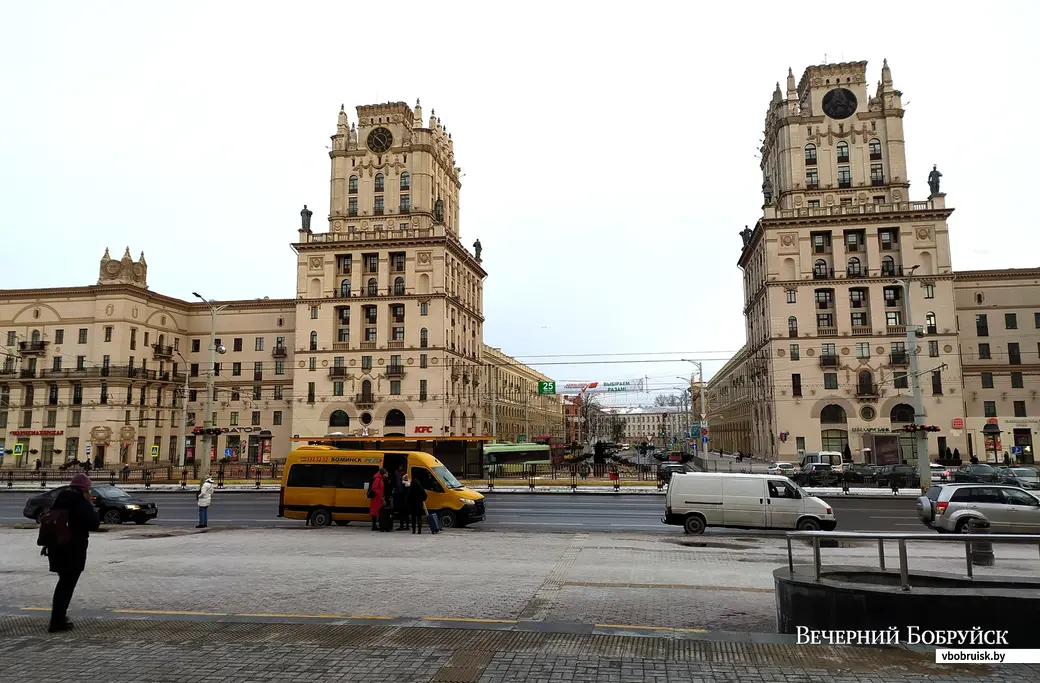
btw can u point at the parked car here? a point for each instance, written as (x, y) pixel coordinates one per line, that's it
(666, 469)
(949, 508)
(860, 474)
(816, 474)
(903, 476)
(980, 473)
(114, 505)
(785, 469)
(1023, 477)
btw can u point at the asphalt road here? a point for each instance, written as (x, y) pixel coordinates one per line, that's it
(548, 512)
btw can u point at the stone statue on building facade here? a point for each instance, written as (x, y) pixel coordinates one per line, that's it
(477, 249)
(933, 179)
(305, 218)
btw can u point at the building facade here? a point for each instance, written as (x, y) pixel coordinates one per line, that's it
(661, 426)
(384, 336)
(998, 312)
(514, 410)
(839, 267)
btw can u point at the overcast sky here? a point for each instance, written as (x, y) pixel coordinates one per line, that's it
(609, 149)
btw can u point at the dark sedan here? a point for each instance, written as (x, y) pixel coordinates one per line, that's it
(979, 473)
(114, 505)
(901, 475)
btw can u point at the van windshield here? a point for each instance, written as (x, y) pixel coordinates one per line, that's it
(447, 477)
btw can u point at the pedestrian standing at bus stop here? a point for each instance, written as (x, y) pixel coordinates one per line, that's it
(205, 497)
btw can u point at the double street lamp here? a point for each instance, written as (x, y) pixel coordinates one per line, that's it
(703, 400)
(924, 470)
(210, 378)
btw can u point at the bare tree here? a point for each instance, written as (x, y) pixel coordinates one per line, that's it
(617, 427)
(590, 412)
(666, 400)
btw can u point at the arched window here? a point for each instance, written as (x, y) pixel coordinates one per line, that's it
(314, 341)
(352, 185)
(406, 181)
(874, 147)
(820, 269)
(930, 324)
(373, 287)
(344, 288)
(399, 286)
(810, 154)
(339, 419)
(379, 182)
(394, 418)
(452, 420)
(843, 151)
(366, 390)
(888, 266)
(866, 383)
(854, 267)
(979, 298)
(792, 327)
(424, 338)
(902, 413)
(833, 414)
(35, 337)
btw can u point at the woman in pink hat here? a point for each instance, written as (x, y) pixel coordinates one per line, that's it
(69, 559)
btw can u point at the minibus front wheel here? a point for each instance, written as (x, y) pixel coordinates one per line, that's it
(447, 519)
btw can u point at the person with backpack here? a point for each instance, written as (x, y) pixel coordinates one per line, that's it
(64, 530)
(375, 498)
(416, 502)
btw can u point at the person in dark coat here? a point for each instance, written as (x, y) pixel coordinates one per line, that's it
(375, 504)
(400, 498)
(69, 560)
(416, 502)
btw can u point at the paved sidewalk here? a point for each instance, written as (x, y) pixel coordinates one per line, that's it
(290, 651)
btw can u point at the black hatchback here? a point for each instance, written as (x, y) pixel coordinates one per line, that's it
(114, 505)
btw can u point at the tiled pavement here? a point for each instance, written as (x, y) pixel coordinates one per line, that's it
(186, 651)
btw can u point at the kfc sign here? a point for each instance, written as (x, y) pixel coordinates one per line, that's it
(424, 430)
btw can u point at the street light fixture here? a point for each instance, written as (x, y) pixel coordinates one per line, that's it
(924, 470)
(210, 378)
(184, 412)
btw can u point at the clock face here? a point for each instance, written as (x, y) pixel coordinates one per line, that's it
(839, 103)
(380, 139)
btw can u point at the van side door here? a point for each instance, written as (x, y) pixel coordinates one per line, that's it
(351, 497)
(744, 502)
(784, 505)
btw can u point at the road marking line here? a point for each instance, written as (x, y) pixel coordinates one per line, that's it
(170, 612)
(36, 609)
(540, 523)
(369, 617)
(295, 616)
(472, 620)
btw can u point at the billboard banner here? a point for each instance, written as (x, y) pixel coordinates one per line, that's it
(611, 386)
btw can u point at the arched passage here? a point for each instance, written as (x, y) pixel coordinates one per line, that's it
(339, 419)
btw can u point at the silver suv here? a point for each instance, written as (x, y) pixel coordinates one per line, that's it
(948, 508)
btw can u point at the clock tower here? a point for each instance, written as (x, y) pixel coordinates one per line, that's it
(390, 302)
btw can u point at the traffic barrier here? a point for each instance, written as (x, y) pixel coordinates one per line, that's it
(981, 551)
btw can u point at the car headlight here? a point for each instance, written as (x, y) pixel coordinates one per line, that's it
(467, 501)
(132, 507)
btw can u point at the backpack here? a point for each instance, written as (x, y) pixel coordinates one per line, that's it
(54, 528)
(369, 492)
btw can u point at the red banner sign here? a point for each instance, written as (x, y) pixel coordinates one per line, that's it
(37, 432)
(424, 430)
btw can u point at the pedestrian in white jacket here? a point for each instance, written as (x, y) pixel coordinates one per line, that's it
(205, 496)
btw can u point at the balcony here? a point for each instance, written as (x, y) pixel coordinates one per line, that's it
(395, 371)
(405, 208)
(862, 330)
(895, 329)
(812, 186)
(828, 361)
(32, 348)
(364, 400)
(823, 274)
(875, 156)
(898, 359)
(378, 211)
(341, 346)
(826, 331)
(395, 344)
(368, 345)
(845, 183)
(280, 352)
(8, 371)
(64, 373)
(876, 181)
(26, 374)
(160, 351)
(855, 272)
(891, 271)
(867, 390)
(843, 158)
(337, 371)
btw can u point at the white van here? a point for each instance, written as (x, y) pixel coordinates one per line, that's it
(747, 501)
(833, 458)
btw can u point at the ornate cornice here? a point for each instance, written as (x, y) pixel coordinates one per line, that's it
(1005, 274)
(132, 292)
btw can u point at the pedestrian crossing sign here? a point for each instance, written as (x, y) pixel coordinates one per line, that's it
(18, 448)
(155, 451)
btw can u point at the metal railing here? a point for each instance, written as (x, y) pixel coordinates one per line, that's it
(900, 538)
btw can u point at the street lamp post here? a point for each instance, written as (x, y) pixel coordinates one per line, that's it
(184, 413)
(924, 470)
(703, 399)
(210, 378)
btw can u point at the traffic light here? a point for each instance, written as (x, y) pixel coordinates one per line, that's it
(910, 428)
(930, 428)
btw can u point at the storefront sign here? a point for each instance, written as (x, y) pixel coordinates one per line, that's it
(958, 423)
(37, 432)
(1010, 421)
(425, 429)
(241, 430)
